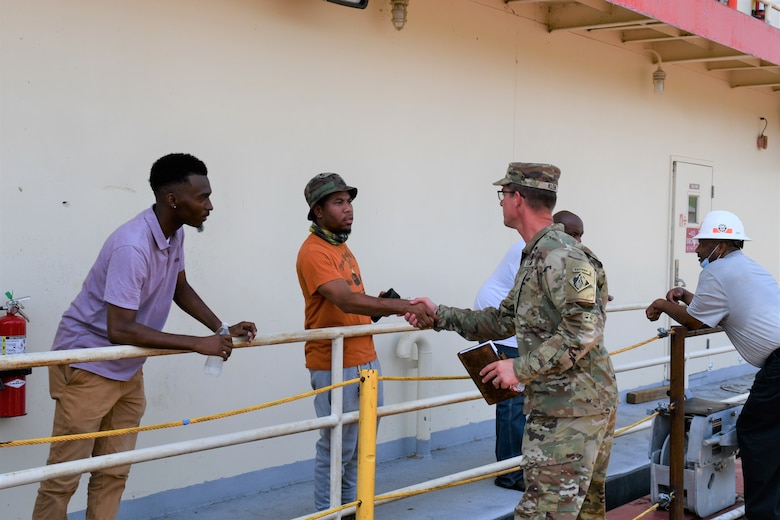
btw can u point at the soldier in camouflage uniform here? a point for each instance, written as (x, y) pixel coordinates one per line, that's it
(557, 311)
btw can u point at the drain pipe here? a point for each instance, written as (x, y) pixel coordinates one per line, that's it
(423, 362)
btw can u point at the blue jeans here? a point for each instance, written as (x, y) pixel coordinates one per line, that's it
(510, 425)
(349, 436)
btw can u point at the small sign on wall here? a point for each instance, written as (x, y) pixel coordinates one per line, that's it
(691, 243)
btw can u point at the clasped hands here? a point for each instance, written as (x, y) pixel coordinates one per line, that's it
(421, 313)
(501, 373)
(655, 309)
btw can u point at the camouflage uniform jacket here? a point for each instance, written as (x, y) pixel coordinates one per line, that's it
(557, 310)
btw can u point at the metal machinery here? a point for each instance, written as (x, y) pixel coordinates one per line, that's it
(710, 455)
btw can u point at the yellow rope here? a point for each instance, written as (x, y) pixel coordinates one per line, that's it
(662, 333)
(640, 421)
(395, 496)
(647, 512)
(406, 494)
(330, 511)
(184, 422)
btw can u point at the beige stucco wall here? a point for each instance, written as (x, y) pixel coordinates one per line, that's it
(270, 92)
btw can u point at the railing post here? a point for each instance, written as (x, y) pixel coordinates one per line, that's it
(337, 410)
(366, 470)
(677, 423)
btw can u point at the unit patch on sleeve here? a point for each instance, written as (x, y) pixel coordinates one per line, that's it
(580, 282)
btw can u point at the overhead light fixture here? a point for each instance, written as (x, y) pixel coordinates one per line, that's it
(398, 11)
(659, 76)
(359, 4)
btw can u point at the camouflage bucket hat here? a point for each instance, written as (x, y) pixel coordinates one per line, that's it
(532, 175)
(322, 185)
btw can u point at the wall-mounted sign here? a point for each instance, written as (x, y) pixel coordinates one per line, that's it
(691, 243)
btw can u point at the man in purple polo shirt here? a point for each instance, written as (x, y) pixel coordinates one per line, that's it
(125, 299)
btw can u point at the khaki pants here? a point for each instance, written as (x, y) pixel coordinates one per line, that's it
(87, 402)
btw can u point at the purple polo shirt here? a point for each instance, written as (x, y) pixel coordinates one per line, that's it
(136, 269)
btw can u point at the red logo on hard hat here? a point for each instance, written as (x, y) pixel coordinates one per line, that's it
(722, 229)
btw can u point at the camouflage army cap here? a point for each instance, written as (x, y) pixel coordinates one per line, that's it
(533, 175)
(322, 185)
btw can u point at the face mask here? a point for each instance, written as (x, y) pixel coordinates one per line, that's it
(706, 261)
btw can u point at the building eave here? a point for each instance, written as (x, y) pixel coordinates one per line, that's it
(704, 35)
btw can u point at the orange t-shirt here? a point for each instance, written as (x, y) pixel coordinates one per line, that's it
(319, 263)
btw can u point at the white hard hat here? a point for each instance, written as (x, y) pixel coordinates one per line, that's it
(721, 225)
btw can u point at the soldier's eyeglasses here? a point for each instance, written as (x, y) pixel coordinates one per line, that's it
(502, 194)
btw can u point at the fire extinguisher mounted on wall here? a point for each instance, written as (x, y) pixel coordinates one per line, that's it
(759, 10)
(13, 340)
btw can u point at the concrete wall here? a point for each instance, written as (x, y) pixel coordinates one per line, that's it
(422, 121)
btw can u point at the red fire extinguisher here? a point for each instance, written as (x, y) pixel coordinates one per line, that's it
(13, 339)
(759, 10)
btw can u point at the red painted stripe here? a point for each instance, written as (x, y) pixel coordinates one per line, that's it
(714, 21)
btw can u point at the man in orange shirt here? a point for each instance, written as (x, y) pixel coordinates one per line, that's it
(335, 296)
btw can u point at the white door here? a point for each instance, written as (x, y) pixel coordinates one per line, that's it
(693, 192)
(692, 200)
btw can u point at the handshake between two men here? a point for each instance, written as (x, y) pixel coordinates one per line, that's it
(500, 373)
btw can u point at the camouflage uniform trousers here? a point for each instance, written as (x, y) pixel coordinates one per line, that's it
(565, 467)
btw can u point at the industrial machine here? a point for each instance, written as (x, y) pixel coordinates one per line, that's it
(710, 456)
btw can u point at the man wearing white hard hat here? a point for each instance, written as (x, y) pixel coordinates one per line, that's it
(736, 293)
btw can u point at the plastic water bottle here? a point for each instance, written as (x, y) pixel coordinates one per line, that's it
(213, 366)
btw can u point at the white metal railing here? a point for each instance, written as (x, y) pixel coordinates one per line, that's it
(61, 357)
(412, 338)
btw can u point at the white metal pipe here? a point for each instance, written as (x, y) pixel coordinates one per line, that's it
(731, 515)
(628, 307)
(642, 364)
(77, 467)
(419, 404)
(448, 479)
(337, 410)
(457, 477)
(405, 349)
(62, 357)
(665, 359)
(709, 352)
(424, 369)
